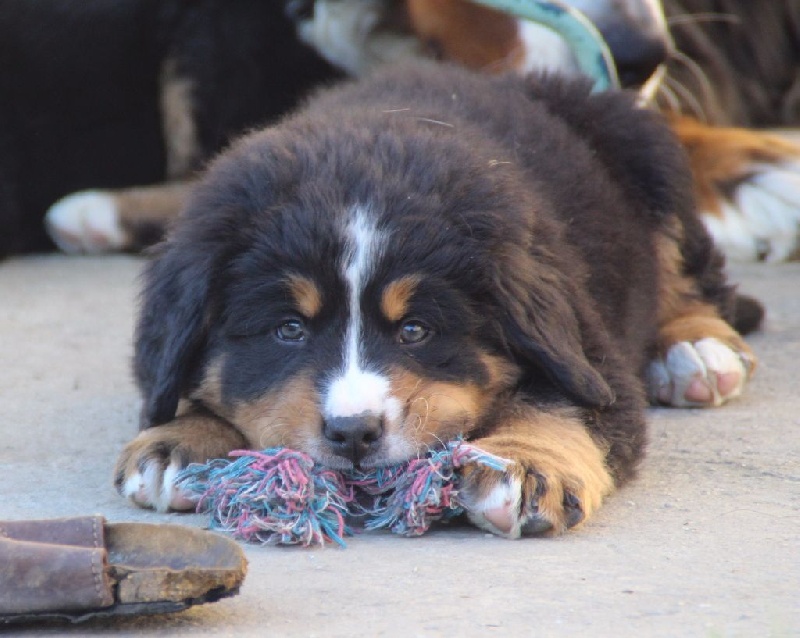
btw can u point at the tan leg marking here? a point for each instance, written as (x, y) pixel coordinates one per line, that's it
(699, 359)
(159, 204)
(178, 122)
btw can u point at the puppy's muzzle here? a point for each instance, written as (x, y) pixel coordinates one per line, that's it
(354, 437)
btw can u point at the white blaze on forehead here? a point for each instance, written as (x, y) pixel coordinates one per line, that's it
(357, 390)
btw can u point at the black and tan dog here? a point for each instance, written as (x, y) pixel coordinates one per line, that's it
(432, 253)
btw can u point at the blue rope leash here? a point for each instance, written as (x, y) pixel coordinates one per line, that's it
(590, 50)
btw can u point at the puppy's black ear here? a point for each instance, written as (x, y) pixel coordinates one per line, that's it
(171, 330)
(544, 326)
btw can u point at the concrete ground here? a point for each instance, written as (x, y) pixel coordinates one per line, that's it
(705, 543)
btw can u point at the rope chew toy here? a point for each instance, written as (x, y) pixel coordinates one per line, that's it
(282, 497)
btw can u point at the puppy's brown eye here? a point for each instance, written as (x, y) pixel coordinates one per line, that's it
(291, 330)
(412, 332)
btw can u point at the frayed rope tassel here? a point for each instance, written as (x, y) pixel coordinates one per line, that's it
(275, 497)
(280, 496)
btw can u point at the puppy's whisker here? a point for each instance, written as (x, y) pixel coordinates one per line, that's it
(685, 97)
(432, 121)
(695, 18)
(667, 98)
(706, 88)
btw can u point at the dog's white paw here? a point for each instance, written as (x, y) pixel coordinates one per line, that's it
(503, 512)
(521, 500)
(702, 374)
(760, 220)
(86, 222)
(154, 486)
(346, 33)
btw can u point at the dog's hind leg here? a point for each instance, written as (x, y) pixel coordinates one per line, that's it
(99, 221)
(747, 186)
(699, 359)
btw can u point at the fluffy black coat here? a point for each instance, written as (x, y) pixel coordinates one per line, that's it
(536, 208)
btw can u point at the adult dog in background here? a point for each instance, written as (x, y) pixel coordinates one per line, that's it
(433, 253)
(111, 95)
(123, 102)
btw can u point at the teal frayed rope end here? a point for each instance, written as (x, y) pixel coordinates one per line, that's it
(282, 497)
(587, 44)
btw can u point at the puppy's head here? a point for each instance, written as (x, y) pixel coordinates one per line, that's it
(360, 291)
(483, 38)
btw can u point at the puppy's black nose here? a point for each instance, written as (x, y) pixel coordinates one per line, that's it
(353, 437)
(637, 56)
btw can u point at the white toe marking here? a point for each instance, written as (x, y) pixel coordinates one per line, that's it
(134, 487)
(499, 511)
(151, 486)
(763, 220)
(171, 496)
(669, 378)
(683, 361)
(86, 222)
(145, 488)
(720, 359)
(683, 365)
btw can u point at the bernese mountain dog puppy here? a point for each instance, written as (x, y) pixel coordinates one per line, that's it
(432, 253)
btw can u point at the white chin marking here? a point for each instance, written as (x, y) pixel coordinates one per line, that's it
(762, 222)
(545, 50)
(86, 222)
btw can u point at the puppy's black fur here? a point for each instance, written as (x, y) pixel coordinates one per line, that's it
(425, 254)
(538, 205)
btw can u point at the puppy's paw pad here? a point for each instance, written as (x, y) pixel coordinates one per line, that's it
(86, 222)
(707, 372)
(147, 477)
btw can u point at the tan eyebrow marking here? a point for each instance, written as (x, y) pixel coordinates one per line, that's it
(306, 295)
(395, 298)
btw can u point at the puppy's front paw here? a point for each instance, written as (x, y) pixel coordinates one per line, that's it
(146, 471)
(704, 373)
(549, 487)
(86, 222)
(147, 467)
